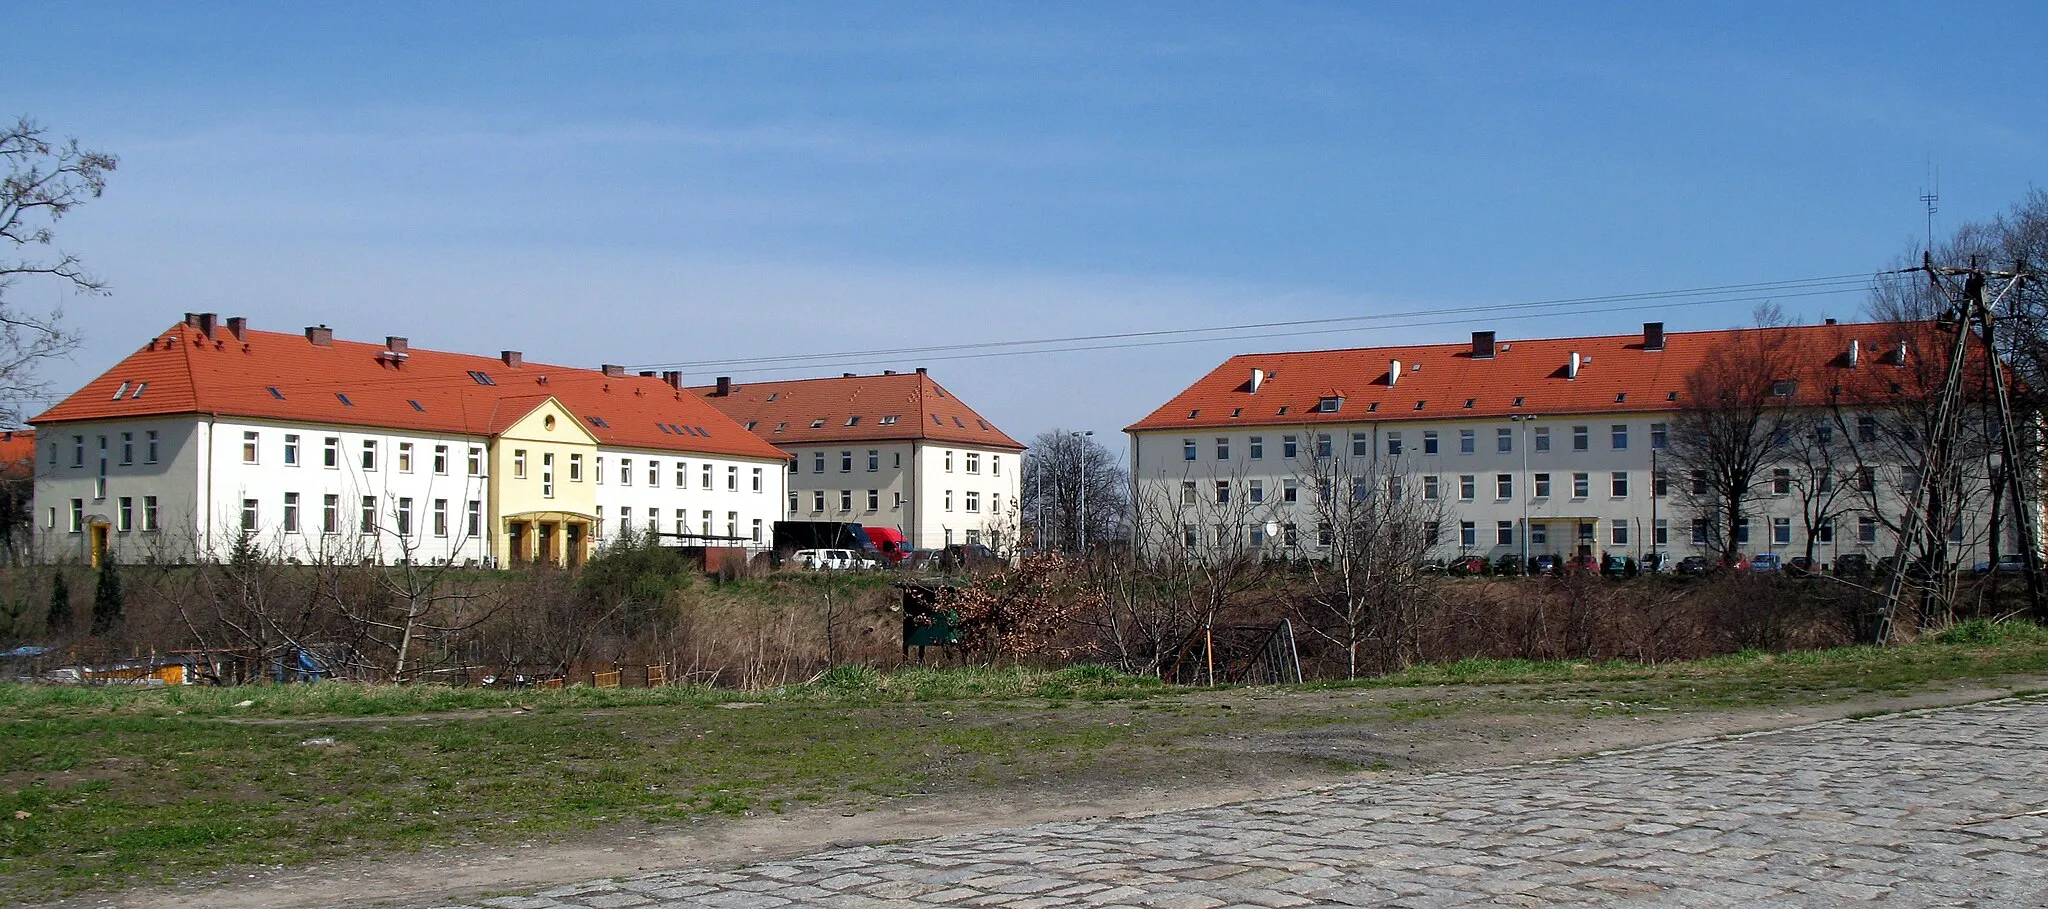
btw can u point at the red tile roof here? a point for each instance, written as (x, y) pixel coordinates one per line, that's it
(1445, 381)
(18, 453)
(277, 376)
(888, 407)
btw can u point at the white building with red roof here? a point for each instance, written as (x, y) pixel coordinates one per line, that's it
(1545, 446)
(892, 450)
(214, 434)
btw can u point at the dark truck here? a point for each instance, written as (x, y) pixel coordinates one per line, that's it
(791, 536)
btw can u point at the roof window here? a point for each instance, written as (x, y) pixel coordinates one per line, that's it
(663, 427)
(956, 422)
(889, 420)
(1373, 407)
(817, 423)
(936, 421)
(750, 425)
(1518, 400)
(480, 377)
(1621, 397)
(1330, 404)
(598, 422)
(118, 392)
(1194, 413)
(415, 405)
(1283, 411)
(1233, 412)
(853, 421)
(1783, 388)
(1469, 402)
(140, 387)
(274, 392)
(1418, 404)
(345, 402)
(781, 426)
(773, 395)
(702, 431)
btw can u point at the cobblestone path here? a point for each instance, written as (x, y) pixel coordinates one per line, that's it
(1937, 808)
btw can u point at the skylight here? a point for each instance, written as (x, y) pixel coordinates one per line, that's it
(274, 392)
(750, 425)
(817, 423)
(889, 420)
(480, 377)
(345, 402)
(853, 421)
(140, 387)
(772, 396)
(415, 405)
(663, 427)
(1418, 404)
(781, 426)
(118, 392)
(598, 422)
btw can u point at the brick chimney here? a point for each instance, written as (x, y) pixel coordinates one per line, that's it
(674, 378)
(724, 386)
(207, 322)
(1482, 345)
(615, 371)
(238, 326)
(512, 358)
(394, 344)
(1653, 336)
(320, 335)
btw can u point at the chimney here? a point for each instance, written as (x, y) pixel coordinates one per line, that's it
(192, 319)
(238, 326)
(1482, 345)
(320, 335)
(1855, 352)
(1830, 321)
(1653, 336)
(674, 378)
(207, 321)
(616, 372)
(395, 344)
(846, 375)
(1394, 373)
(920, 370)
(1258, 379)
(512, 358)
(724, 386)
(888, 372)
(1571, 369)
(647, 373)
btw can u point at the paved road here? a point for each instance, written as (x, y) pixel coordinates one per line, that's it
(1937, 808)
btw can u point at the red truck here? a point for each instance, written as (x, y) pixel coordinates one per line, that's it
(891, 543)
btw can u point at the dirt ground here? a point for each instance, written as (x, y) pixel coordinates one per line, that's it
(1255, 743)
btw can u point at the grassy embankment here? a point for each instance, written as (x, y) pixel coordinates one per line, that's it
(105, 787)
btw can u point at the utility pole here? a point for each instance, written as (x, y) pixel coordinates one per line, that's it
(1971, 317)
(1082, 454)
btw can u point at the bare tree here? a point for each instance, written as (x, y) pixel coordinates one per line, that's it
(44, 182)
(1737, 412)
(1366, 584)
(1062, 471)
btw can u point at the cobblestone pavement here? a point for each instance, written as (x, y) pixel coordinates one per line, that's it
(1936, 808)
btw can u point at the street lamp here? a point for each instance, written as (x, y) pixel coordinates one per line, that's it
(1528, 488)
(1083, 512)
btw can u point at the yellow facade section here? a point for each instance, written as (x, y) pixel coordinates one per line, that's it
(543, 488)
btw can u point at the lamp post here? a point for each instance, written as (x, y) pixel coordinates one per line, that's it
(1527, 487)
(1082, 514)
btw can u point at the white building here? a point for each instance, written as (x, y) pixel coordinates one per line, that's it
(1551, 446)
(892, 450)
(214, 435)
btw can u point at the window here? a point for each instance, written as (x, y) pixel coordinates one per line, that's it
(896, 460)
(1781, 481)
(77, 515)
(1866, 480)
(792, 501)
(1581, 438)
(1824, 433)
(846, 500)
(1699, 531)
(1322, 446)
(1617, 532)
(1504, 439)
(369, 454)
(973, 502)
(1430, 487)
(1660, 436)
(78, 451)
(519, 463)
(1187, 449)
(817, 462)
(817, 501)
(1825, 480)
(1539, 534)
(1468, 441)
(1468, 534)
(1504, 533)
(1468, 486)
(291, 449)
(732, 477)
(330, 513)
(369, 522)
(682, 474)
(1187, 492)
(974, 458)
(474, 523)
(291, 512)
(757, 530)
(874, 460)
(1429, 442)
(405, 457)
(625, 471)
(1289, 449)
(949, 500)
(1582, 485)
(248, 515)
(1824, 531)
(124, 517)
(1361, 489)
(874, 500)
(1661, 533)
(250, 445)
(1257, 446)
(1542, 438)
(1222, 492)
(995, 466)
(547, 474)
(1781, 531)
(625, 520)
(757, 479)
(704, 476)
(1866, 428)
(441, 463)
(1290, 491)
(476, 464)
(1504, 485)
(846, 462)
(1617, 435)
(1393, 443)
(1620, 484)
(1742, 532)
(1542, 485)
(1699, 483)
(575, 467)
(1255, 491)
(682, 522)
(150, 451)
(1329, 404)
(404, 516)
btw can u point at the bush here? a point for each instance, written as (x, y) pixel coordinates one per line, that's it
(1980, 632)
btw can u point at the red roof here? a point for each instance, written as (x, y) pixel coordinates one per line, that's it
(1617, 374)
(18, 453)
(888, 407)
(277, 376)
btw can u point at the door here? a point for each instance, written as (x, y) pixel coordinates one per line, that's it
(548, 554)
(99, 543)
(575, 541)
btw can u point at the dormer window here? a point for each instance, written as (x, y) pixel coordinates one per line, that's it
(1330, 404)
(1783, 388)
(818, 423)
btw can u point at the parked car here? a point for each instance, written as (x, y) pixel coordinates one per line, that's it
(1852, 565)
(1765, 563)
(1582, 563)
(1617, 566)
(1801, 567)
(1546, 563)
(2006, 564)
(1657, 562)
(1432, 566)
(1508, 566)
(1468, 566)
(832, 560)
(1693, 566)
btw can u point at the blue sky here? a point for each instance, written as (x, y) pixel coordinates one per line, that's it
(681, 183)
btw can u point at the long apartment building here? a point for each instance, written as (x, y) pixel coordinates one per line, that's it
(893, 450)
(214, 435)
(1550, 446)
